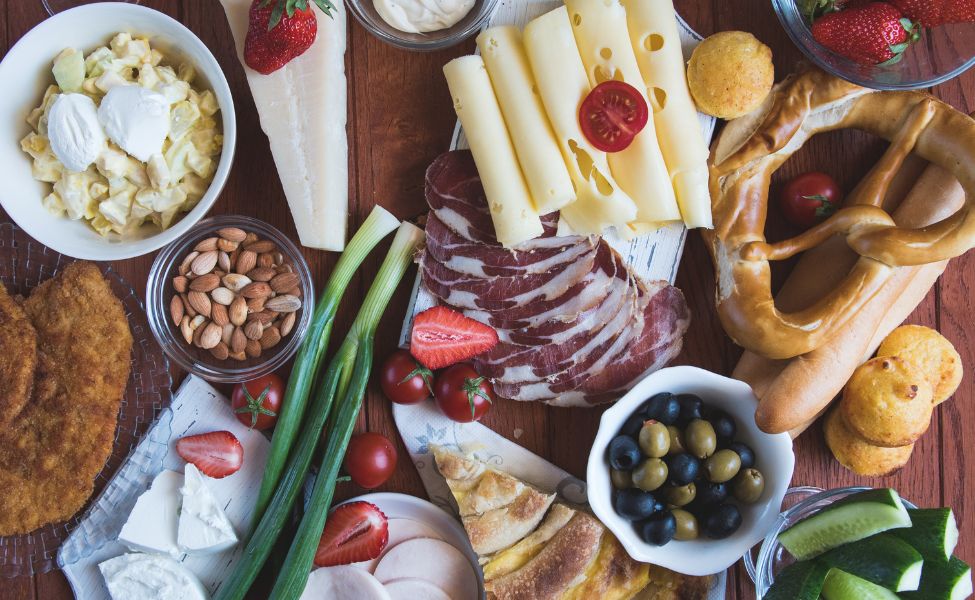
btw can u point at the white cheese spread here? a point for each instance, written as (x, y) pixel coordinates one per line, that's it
(76, 136)
(150, 577)
(420, 16)
(203, 526)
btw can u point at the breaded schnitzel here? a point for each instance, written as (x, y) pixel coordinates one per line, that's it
(51, 454)
(18, 358)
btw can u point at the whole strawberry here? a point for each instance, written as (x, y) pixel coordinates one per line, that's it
(280, 31)
(927, 13)
(958, 11)
(872, 34)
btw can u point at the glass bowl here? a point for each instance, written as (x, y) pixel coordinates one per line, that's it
(365, 12)
(803, 502)
(159, 292)
(941, 54)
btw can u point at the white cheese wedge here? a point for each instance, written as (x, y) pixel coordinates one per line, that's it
(150, 577)
(514, 215)
(343, 583)
(302, 107)
(433, 561)
(203, 526)
(656, 42)
(535, 144)
(151, 526)
(562, 85)
(604, 46)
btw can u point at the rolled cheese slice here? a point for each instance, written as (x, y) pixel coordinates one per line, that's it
(535, 144)
(433, 561)
(562, 85)
(343, 583)
(514, 215)
(601, 35)
(656, 43)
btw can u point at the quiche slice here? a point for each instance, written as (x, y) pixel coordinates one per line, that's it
(531, 547)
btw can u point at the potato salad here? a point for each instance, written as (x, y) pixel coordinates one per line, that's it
(125, 139)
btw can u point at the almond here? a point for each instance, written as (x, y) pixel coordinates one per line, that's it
(262, 274)
(253, 348)
(211, 336)
(226, 332)
(186, 304)
(266, 317)
(295, 291)
(184, 267)
(181, 283)
(235, 281)
(270, 338)
(222, 295)
(206, 245)
(238, 341)
(219, 314)
(255, 305)
(200, 302)
(238, 356)
(232, 234)
(226, 245)
(246, 261)
(223, 263)
(278, 259)
(256, 289)
(176, 309)
(283, 304)
(250, 238)
(261, 246)
(198, 336)
(196, 321)
(284, 281)
(205, 283)
(254, 330)
(287, 268)
(238, 311)
(204, 263)
(288, 323)
(186, 330)
(265, 260)
(220, 351)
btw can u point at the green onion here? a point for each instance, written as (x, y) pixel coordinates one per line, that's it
(342, 378)
(377, 226)
(357, 362)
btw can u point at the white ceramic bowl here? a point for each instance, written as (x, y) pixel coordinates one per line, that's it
(24, 75)
(774, 458)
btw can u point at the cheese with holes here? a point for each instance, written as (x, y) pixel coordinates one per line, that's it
(509, 200)
(655, 41)
(302, 107)
(601, 35)
(535, 145)
(562, 85)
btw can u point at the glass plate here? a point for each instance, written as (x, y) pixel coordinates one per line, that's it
(24, 264)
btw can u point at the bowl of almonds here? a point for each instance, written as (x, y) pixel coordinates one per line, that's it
(231, 300)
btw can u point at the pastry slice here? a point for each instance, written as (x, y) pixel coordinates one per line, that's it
(532, 548)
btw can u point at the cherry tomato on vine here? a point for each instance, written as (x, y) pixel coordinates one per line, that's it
(809, 199)
(612, 115)
(405, 381)
(370, 459)
(462, 394)
(256, 403)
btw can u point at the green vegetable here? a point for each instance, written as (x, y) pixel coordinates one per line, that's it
(799, 581)
(934, 533)
(377, 226)
(882, 559)
(353, 364)
(840, 585)
(948, 581)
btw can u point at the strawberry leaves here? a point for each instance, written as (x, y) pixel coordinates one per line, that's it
(281, 7)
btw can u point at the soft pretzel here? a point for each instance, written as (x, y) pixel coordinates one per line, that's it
(748, 152)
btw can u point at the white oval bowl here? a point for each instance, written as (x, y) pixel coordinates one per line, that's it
(24, 75)
(773, 454)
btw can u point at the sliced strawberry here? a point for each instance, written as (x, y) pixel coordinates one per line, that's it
(354, 532)
(443, 337)
(216, 454)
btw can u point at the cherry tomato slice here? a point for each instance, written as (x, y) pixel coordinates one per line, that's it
(612, 115)
(809, 199)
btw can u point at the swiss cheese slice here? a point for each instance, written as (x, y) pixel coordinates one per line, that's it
(601, 35)
(562, 85)
(653, 33)
(514, 215)
(535, 144)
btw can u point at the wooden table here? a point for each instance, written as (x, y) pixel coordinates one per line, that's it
(400, 118)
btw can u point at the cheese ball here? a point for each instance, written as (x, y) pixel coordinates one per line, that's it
(730, 74)
(931, 352)
(859, 455)
(888, 402)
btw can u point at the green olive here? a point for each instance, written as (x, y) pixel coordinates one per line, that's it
(686, 525)
(621, 479)
(654, 439)
(681, 495)
(748, 486)
(700, 439)
(722, 466)
(676, 441)
(650, 474)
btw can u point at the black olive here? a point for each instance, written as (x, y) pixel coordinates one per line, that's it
(659, 529)
(744, 453)
(690, 408)
(724, 426)
(722, 522)
(708, 496)
(624, 453)
(682, 469)
(632, 425)
(634, 505)
(662, 407)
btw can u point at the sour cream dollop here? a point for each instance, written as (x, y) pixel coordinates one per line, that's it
(76, 136)
(135, 118)
(421, 16)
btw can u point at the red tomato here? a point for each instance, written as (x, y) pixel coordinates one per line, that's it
(462, 394)
(370, 459)
(256, 403)
(612, 114)
(809, 199)
(404, 381)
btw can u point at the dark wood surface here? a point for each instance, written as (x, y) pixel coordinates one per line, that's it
(400, 118)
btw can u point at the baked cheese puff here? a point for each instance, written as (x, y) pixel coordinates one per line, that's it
(888, 402)
(931, 352)
(730, 74)
(859, 455)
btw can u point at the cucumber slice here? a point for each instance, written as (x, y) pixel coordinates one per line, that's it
(933, 533)
(799, 581)
(840, 585)
(883, 559)
(853, 518)
(949, 581)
